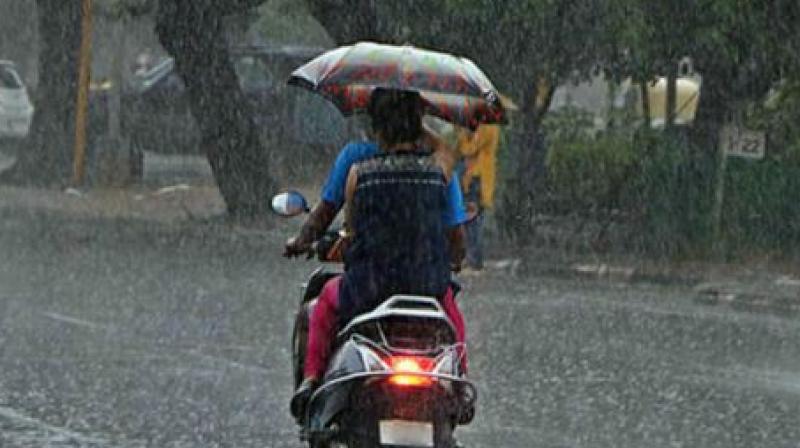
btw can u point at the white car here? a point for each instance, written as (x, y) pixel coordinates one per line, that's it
(16, 110)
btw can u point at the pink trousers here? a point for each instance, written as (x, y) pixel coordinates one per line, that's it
(322, 327)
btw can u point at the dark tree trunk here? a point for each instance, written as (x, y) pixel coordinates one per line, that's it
(192, 32)
(529, 154)
(47, 156)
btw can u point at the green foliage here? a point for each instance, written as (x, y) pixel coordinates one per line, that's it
(657, 180)
(761, 207)
(669, 195)
(531, 39)
(778, 116)
(590, 172)
(515, 41)
(567, 125)
(665, 181)
(665, 185)
(740, 47)
(585, 169)
(286, 22)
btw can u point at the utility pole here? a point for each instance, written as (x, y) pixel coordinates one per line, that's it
(718, 242)
(672, 97)
(82, 109)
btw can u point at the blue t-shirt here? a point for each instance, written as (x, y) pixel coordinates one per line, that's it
(355, 152)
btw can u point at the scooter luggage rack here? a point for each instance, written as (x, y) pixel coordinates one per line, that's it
(389, 351)
(420, 307)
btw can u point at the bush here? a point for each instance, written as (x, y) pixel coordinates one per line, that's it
(590, 172)
(664, 186)
(568, 124)
(762, 203)
(670, 195)
(761, 209)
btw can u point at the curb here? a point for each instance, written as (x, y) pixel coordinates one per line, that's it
(721, 293)
(749, 301)
(612, 272)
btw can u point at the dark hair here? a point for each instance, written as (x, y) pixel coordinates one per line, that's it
(396, 115)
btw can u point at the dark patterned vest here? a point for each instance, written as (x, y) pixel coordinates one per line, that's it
(399, 244)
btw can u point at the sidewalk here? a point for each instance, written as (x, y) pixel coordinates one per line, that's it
(165, 204)
(173, 189)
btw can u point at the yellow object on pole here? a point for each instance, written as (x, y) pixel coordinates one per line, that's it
(687, 100)
(82, 107)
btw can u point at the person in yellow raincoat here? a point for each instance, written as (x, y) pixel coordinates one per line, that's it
(478, 174)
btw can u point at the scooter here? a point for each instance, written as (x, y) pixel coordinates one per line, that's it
(395, 377)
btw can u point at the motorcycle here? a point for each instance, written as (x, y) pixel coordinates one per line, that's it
(395, 376)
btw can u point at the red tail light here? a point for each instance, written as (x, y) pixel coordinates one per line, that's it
(406, 369)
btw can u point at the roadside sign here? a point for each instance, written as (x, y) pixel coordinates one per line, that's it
(740, 142)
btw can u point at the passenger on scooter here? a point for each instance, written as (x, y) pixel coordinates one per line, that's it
(405, 216)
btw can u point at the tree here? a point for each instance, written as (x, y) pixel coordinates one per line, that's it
(47, 157)
(750, 47)
(18, 34)
(347, 21)
(192, 33)
(48, 153)
(528, 47)
(740, 48)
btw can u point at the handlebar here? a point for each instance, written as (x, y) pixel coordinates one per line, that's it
(328, 247)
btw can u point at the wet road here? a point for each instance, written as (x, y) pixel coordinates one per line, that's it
(125, 334)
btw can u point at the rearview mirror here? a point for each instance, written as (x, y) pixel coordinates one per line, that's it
(290, 203)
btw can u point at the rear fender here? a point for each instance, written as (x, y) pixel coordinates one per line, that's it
(316, 281)
(328, 402)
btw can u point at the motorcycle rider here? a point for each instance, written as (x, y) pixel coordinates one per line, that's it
(405, 215)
